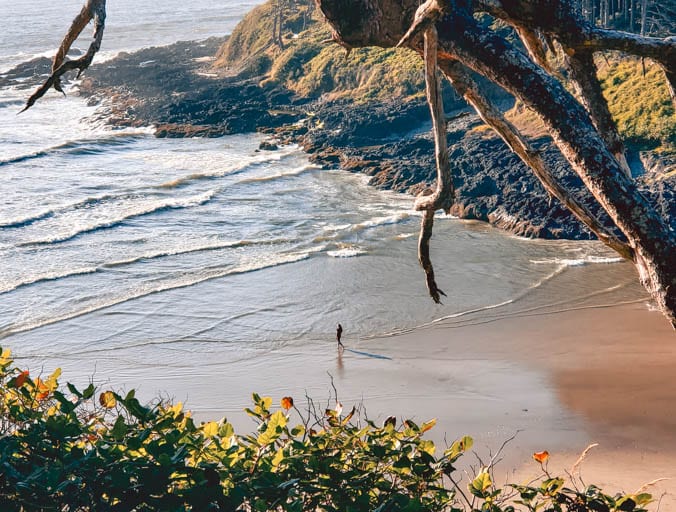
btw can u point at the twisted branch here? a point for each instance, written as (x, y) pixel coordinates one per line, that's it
(92, 10)
(443, 195)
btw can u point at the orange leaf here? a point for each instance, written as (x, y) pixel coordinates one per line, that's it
(287, 402)
(21, 379)
(541, 457)
(42, 389)
(107, 399)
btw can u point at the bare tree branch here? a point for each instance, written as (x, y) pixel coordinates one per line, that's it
(581, 145)
(385, 22)
(92, 10)
(575, 33)
(443, 195)
(583, 73)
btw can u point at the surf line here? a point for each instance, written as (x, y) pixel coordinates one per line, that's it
(367, 354)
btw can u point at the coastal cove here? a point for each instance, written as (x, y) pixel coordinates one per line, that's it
(192, 258)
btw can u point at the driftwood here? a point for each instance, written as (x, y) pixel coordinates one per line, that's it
(582, 130)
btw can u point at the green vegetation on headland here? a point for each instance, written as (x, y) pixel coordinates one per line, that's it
(307, 64)
(72, 449)
(638, 99)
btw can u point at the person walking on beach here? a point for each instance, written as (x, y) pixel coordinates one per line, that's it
(339, 334)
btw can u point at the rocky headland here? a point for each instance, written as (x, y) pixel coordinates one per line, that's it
(363, 112)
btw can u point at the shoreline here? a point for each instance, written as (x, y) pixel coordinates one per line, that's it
(564, 367)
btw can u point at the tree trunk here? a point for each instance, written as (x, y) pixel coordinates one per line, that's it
(644, 15)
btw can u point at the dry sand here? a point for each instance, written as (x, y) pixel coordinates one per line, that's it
(612, 373)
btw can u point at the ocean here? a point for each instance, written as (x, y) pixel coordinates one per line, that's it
(144, 262)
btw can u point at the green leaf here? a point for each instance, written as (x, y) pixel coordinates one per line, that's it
(274, 429)
(459, 447)
(226, 431)
(89, 392)
(481, 484)
(552, 486)
(74, 390)
(643, 498)
(119, 429)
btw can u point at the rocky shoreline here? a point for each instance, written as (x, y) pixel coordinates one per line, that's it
(175, 89)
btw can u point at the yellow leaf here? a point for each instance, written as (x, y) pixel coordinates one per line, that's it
(278, 458)
(287, 402)
(5, 356)
(541, 457)
(175, 410)
(428, 425)
(274, 429)
(210, 429)
(481, 484)
(107, 399)
(427, 447)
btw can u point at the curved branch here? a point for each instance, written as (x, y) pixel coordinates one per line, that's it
(443, 196)
(426, 225)
(93, 9)
(662, 51)
(425, 17)
(575, 34)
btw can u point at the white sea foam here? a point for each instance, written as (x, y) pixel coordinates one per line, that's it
(133, 210)
(578, 262)
(290, 173)
(346, 252)
(241, 164)
(11, 285)
(382, 221)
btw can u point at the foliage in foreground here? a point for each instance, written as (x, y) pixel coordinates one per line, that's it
(71, 449)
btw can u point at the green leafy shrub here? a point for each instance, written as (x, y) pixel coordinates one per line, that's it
(68, 449)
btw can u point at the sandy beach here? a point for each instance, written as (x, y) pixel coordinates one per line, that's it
(611, 372)
(562, 380)
(580, 359)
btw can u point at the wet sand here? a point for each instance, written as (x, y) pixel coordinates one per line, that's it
(561, 380)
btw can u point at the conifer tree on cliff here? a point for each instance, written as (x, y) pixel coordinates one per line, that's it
(448, 36)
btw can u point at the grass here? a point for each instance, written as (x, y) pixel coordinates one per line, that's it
(639, 103)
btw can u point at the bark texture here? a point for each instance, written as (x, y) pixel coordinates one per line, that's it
(92, 10)
(442, 197)
(582, 134)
